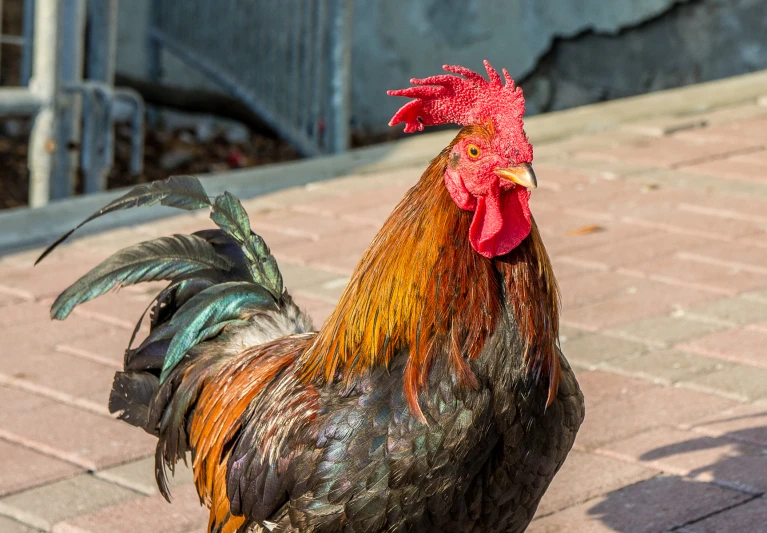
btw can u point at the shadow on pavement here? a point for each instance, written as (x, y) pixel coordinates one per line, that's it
(715, 474)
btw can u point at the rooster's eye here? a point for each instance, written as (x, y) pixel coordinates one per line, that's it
(473, 151)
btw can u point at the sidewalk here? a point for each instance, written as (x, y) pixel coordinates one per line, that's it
(658, 234)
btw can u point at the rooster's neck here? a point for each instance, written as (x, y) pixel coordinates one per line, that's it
(420, 287)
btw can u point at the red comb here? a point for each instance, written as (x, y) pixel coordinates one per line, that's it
(471, 99)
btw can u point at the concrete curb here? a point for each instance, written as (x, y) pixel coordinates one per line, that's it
(26, 228)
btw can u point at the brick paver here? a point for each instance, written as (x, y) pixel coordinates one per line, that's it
(658, 235)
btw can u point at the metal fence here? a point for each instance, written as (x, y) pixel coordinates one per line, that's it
(288, 60)
(70, 93)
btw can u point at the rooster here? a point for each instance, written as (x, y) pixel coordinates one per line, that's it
(435, 396)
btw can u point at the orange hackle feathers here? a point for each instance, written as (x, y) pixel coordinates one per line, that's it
(421, 287)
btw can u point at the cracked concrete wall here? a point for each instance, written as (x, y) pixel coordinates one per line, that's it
(395, 40)
(699, 41)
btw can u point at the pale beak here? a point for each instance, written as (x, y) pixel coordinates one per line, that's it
(520, 174)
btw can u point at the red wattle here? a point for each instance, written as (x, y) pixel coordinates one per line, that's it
(501, 222)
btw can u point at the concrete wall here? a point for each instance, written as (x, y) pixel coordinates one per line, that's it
(564, 52)
(399, 39)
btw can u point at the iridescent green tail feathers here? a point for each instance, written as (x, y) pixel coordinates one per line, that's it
(218, 278)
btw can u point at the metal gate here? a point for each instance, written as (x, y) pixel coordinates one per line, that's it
(67, 87)
(288, 60)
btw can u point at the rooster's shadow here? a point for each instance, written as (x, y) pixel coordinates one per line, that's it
(706, 482)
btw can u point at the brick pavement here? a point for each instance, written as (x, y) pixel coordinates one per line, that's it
(658, 233)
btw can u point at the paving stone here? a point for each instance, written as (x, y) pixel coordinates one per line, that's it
(82, 438)
(106, 347)
(664, 152)
(742, 422)
(697, 224)
(742, 345)
(555, 222)
(405, 177)
(646, 299)
(735, 254)
(22, 324)
(728, 463)
(8, 525)
(666, 330)
(285, 198)
(139, 476)
(594, 287)
(749, 516)
(23, 468)
(59, 270)
(43, 507)
(664, 126)
(610, 169)
(566, 333)
(736, 310)
(7, 299)
(316, 309)
(736, 168)
(667, 366)
(121, 309)
(298, 276)
(184, 224)
(591, 195)
(149, 514)
(649, 244)
(629, 414)
(354, 204)
(330, 291)
(758, 296)
(599, 387)
(566, 270)
(48, 370)
(111, 241)
(733, 113)
(741, 382)
(747, 132)
(656, 505)
(726, 279)
(305, 225)
(593, 349)
(371, 216)
(339, 254)
(554, 151)
(584, 476)
(689, 181)
(279, 239)
(26, 312)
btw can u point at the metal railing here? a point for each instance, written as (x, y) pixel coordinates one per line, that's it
(288, 60)
(74, 111)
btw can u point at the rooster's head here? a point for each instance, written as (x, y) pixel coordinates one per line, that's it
(489, 168)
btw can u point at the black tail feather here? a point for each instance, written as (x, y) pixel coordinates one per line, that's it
(131, 395)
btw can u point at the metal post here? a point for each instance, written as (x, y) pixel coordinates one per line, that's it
(71, 56)
(340, 60)
(58, 59)
(1, 19)
(26, 52)
(45, 85)
(102, 40)
(154, 56)
(97, 154)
